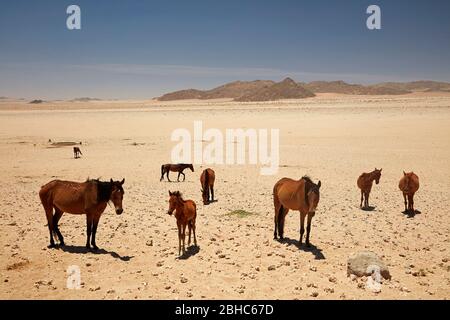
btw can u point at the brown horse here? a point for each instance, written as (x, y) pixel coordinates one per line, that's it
(365, 182)
(409, 184)
(185, 213)
(89, 198)
(207, 181)
(302, 195)
(76, 152)
(166, 168)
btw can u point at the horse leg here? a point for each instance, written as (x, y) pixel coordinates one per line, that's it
(179, 238)
(94, 231)
(190, 229)
(193, 229)
(184, 176)
(184, 237)
(308, 230)
(278, 207)
(362, 198)
(49, 215)
(367, 199)
(162, 175)
(88, 230)
(167, 174)
(212, 194)
(302, 226)
(58, 214)
(178, 178)
(411, 203)
(281, 222)
(404, 197)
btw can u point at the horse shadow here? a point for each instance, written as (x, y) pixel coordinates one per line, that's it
(84, 250)
(411, 213)
(190, 252)
(312, 248)
(369, 208)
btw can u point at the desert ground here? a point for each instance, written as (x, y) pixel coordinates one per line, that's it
(332, 138)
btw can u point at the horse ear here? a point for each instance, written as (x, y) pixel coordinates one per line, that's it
(381, 169)
(319, 184)
(122, 182)
(111, 181)
(404, 173)
(170, 193)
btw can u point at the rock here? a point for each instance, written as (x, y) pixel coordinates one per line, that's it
(332, 279)
(183, 280)
(314, 294)
(271, 268)
(359, 263)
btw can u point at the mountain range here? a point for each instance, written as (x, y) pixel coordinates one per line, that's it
(267, 90)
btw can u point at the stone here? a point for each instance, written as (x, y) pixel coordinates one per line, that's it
(358, 264)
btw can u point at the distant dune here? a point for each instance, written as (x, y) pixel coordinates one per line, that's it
(266, 90)
(84, 99)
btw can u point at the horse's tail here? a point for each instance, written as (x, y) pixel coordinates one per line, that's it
(44, 195)
(279, 221)
(206, 179)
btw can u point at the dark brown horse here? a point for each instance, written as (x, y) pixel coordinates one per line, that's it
(166, 168)
(365, 182)
(185, 213)
(302, 195)
(207, 181)
(409, 184)
(76, 152)
(89, 198)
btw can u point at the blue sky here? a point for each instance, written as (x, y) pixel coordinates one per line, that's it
(141, 49)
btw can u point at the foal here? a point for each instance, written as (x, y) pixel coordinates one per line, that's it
(365, 182)
(185, 213)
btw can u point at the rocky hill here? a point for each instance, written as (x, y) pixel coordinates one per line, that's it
(266, 90)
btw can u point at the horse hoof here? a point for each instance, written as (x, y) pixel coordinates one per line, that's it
(51, 246)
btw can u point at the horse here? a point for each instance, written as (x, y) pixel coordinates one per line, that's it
(409, 184)
(89, 198)
(185, 213)
(365, 182)
(76, 152)
(166, 168)
(207, 181)
(302, 195)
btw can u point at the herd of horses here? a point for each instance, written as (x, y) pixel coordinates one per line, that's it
(92, 196)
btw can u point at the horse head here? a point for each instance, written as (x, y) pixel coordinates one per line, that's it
(174, 200)
(377, 175)
(117, 193)
(312, 194)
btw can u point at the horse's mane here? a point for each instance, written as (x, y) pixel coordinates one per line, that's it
(309, 184)
(178, 195)
(104, 189)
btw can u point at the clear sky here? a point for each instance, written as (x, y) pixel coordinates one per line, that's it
(141, 49)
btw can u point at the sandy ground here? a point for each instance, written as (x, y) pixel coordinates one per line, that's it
(331, 138)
